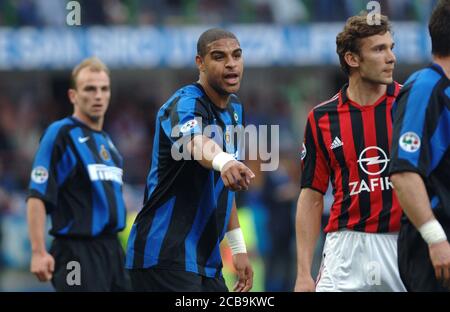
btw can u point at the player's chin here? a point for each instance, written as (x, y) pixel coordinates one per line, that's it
(95, 116)
(232, 88)
(386, 80)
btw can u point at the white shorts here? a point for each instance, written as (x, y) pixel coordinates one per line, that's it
(356, 261)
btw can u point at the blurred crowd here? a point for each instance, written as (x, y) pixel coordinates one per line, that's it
(41, 13)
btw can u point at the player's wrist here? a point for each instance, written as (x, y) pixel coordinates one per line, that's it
(432, 232)
(220, 160)
(39, 253)
(303, 273)
(236, 241)
(38, 249)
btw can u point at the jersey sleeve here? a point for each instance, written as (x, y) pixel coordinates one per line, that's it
(52, 165)
(411, 138)
(315, 170)
(187, 119)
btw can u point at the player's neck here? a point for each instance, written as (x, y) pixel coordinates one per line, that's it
(444, 62)
(219, 100)
(93, 124)
(364, 93)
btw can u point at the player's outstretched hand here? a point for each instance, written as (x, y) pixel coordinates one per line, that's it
(244, 271)
(42, 265)
(440, 258)
(236, 176)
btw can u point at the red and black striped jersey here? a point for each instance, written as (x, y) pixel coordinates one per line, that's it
(349, 145)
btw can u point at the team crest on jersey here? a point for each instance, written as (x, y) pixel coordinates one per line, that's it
(39, 175)
(188, 126)
(409, 142)
(104, 153)
(227, 137)
(303, 152)
(236, 117)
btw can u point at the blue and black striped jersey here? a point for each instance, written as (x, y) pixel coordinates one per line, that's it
(186, 206)
(422, 133)
(77, 172)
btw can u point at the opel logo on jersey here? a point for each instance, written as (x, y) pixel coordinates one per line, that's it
(104, 153)
(366, 162)
(236, 117)
(39, 175)
(409, 142)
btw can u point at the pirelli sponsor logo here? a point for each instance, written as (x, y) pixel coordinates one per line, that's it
(105, 173)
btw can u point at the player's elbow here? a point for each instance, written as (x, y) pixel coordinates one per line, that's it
(309, 202)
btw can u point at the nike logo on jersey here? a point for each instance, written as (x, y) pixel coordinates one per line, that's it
(83, 140)
(336, 143)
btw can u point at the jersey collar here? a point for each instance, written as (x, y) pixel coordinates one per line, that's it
(390, 92)
(80, 123)
(438, 68)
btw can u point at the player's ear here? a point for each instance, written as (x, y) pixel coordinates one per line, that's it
(352, 59)
(71, 93)
(200, 63)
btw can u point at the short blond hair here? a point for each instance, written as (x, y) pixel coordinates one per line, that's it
(93, 63)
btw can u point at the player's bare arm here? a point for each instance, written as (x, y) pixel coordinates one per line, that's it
(308, 221)
(42, 263)
(411, 193)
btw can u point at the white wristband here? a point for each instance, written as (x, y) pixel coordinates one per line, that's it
(432, 232)
(220, 160)
(236, 241)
